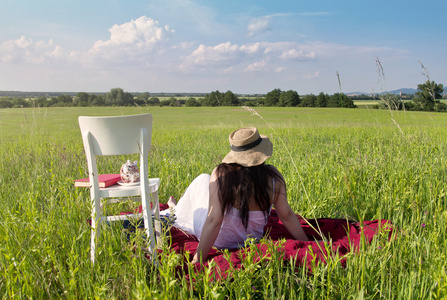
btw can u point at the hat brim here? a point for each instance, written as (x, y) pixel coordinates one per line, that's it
(252, 157)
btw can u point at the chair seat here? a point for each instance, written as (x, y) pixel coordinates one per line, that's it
(128, 191)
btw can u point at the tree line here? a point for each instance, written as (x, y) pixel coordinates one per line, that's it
(427, 98)
(118, 97)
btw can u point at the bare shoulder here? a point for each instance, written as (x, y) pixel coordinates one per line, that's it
(214, 174)
(278, 185)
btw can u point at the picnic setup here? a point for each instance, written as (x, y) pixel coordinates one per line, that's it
(184, 225)
(186, 203)
(167, 149)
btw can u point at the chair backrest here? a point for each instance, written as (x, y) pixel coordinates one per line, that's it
(117, 135)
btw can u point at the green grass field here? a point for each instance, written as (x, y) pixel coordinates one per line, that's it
(359, 164)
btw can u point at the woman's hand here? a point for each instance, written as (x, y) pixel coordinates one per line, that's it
(194, 261)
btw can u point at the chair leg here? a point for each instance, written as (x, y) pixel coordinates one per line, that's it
(147, 216)
(156, 213)
(96, 232)
(93, 243)
(156, 205)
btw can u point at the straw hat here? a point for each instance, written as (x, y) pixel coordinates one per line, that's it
(248, 147)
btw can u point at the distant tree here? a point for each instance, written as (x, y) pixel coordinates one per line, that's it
(364, 97)
(258, 101)
(340, 100)
(391, 101)
(64, 100)
(153, 101)
(346, 102)
(272, 97)
(142, 98)
(118, 97)
(52, 101)
(6, 102)
(97, 100)
(322, 100)
(128, 99)
(40, 101)
(309, 100)
(192, 102)
(91, 99)
(20, 102)
(173, 102)
(81, 99)
(289, 98)
(230, 99)
(213, 99)
(334, 100)
(165, 103)
(439, 106)
(428, 95)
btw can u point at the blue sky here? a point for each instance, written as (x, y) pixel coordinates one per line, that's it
(240, 45)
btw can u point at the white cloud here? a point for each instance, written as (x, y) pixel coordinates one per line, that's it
(258, 25)
(311, 75)
(256, 66)
(224, 53)
(24, 50)
(248, 56)
(184, 45)
(139, 40)
(136, 38)
(294, 54)
(251, 48)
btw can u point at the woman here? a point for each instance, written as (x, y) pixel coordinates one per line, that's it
(233, 204)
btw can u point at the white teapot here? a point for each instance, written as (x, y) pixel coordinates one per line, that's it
(129, 172)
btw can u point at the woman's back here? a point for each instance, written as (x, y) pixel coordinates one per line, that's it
(247, 188)
(233, 233)
(232, 204)
(193, 208)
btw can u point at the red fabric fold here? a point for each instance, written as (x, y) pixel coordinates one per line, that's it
(344, 236)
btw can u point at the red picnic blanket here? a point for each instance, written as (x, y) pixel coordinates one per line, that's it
(343, 236)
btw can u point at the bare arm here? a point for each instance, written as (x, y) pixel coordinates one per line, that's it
(212, 224)
(287, 216)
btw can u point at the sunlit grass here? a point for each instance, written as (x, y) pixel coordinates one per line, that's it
(338, 163)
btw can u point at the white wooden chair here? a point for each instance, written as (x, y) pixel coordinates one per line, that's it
(120, 136)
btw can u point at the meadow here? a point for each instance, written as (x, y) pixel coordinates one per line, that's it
(357, 164)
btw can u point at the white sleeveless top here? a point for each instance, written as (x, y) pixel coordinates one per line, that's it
(192, 210)
(233, 234)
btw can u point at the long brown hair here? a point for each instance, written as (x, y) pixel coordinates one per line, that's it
(237, 185)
